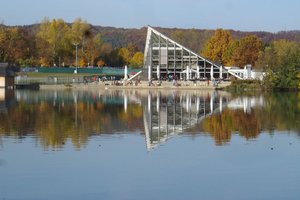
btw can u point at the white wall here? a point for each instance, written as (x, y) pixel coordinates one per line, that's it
(2, 82)
(2, 94)
(257, 75)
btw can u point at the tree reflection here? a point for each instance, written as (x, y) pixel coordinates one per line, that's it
(55, 117)
(279, 112)
(52, 121)
(222, 125)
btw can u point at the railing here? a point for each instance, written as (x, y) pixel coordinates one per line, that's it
(109, 71)
(48, 80)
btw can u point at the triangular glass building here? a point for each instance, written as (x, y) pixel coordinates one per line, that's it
(165, 58)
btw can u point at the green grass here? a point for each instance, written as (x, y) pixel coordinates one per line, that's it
(244, 85)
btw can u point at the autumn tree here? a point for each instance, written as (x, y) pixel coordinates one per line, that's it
(217, 46)
(53, 41)
(124, 54)
(91, 44)
(246, 51)
(105, 52)
(80, 31)
(132, 48)
(81, 35)
(265, 58)
(16, 46)
(281, 61)
(93, 49)
(137, 60)
(130, 56)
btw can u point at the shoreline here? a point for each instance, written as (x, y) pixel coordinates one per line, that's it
(183, 85)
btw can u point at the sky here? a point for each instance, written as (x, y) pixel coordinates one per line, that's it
(244, 15)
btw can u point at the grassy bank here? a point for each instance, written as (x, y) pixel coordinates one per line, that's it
(250, 86)
(245, 85)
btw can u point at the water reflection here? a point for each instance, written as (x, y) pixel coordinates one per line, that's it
(6, 99)
(249, 116)
(173, 114)
(54, 117)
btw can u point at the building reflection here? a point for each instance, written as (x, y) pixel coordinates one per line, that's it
(168, 115)
(6, 99)
(54, 117)
(246, 103)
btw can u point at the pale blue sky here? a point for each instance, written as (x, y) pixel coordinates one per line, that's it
(246, 15)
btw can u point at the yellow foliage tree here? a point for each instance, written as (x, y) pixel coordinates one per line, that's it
(93, 49)
(137, 60)
(217, 46)
(44, 62)
(80, 30)
(125, 55)
(82, 62)
(53, 40)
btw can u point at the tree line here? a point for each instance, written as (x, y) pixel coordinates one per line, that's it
(280, 59)
(54, 43)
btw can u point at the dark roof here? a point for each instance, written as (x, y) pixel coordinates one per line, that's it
(5, 70)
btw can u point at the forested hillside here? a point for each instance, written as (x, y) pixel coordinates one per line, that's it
(192, 38)
(51, 43)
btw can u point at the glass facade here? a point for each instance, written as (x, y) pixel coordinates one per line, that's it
(164, 58)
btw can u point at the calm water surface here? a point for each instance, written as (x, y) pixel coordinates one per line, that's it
(149, 145)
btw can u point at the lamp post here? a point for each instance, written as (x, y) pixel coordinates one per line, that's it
(76, 45)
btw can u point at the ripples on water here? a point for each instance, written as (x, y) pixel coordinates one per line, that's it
(148, 145)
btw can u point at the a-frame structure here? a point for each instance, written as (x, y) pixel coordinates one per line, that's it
(163, 57)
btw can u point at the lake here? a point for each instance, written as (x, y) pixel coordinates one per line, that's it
(140, 144)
